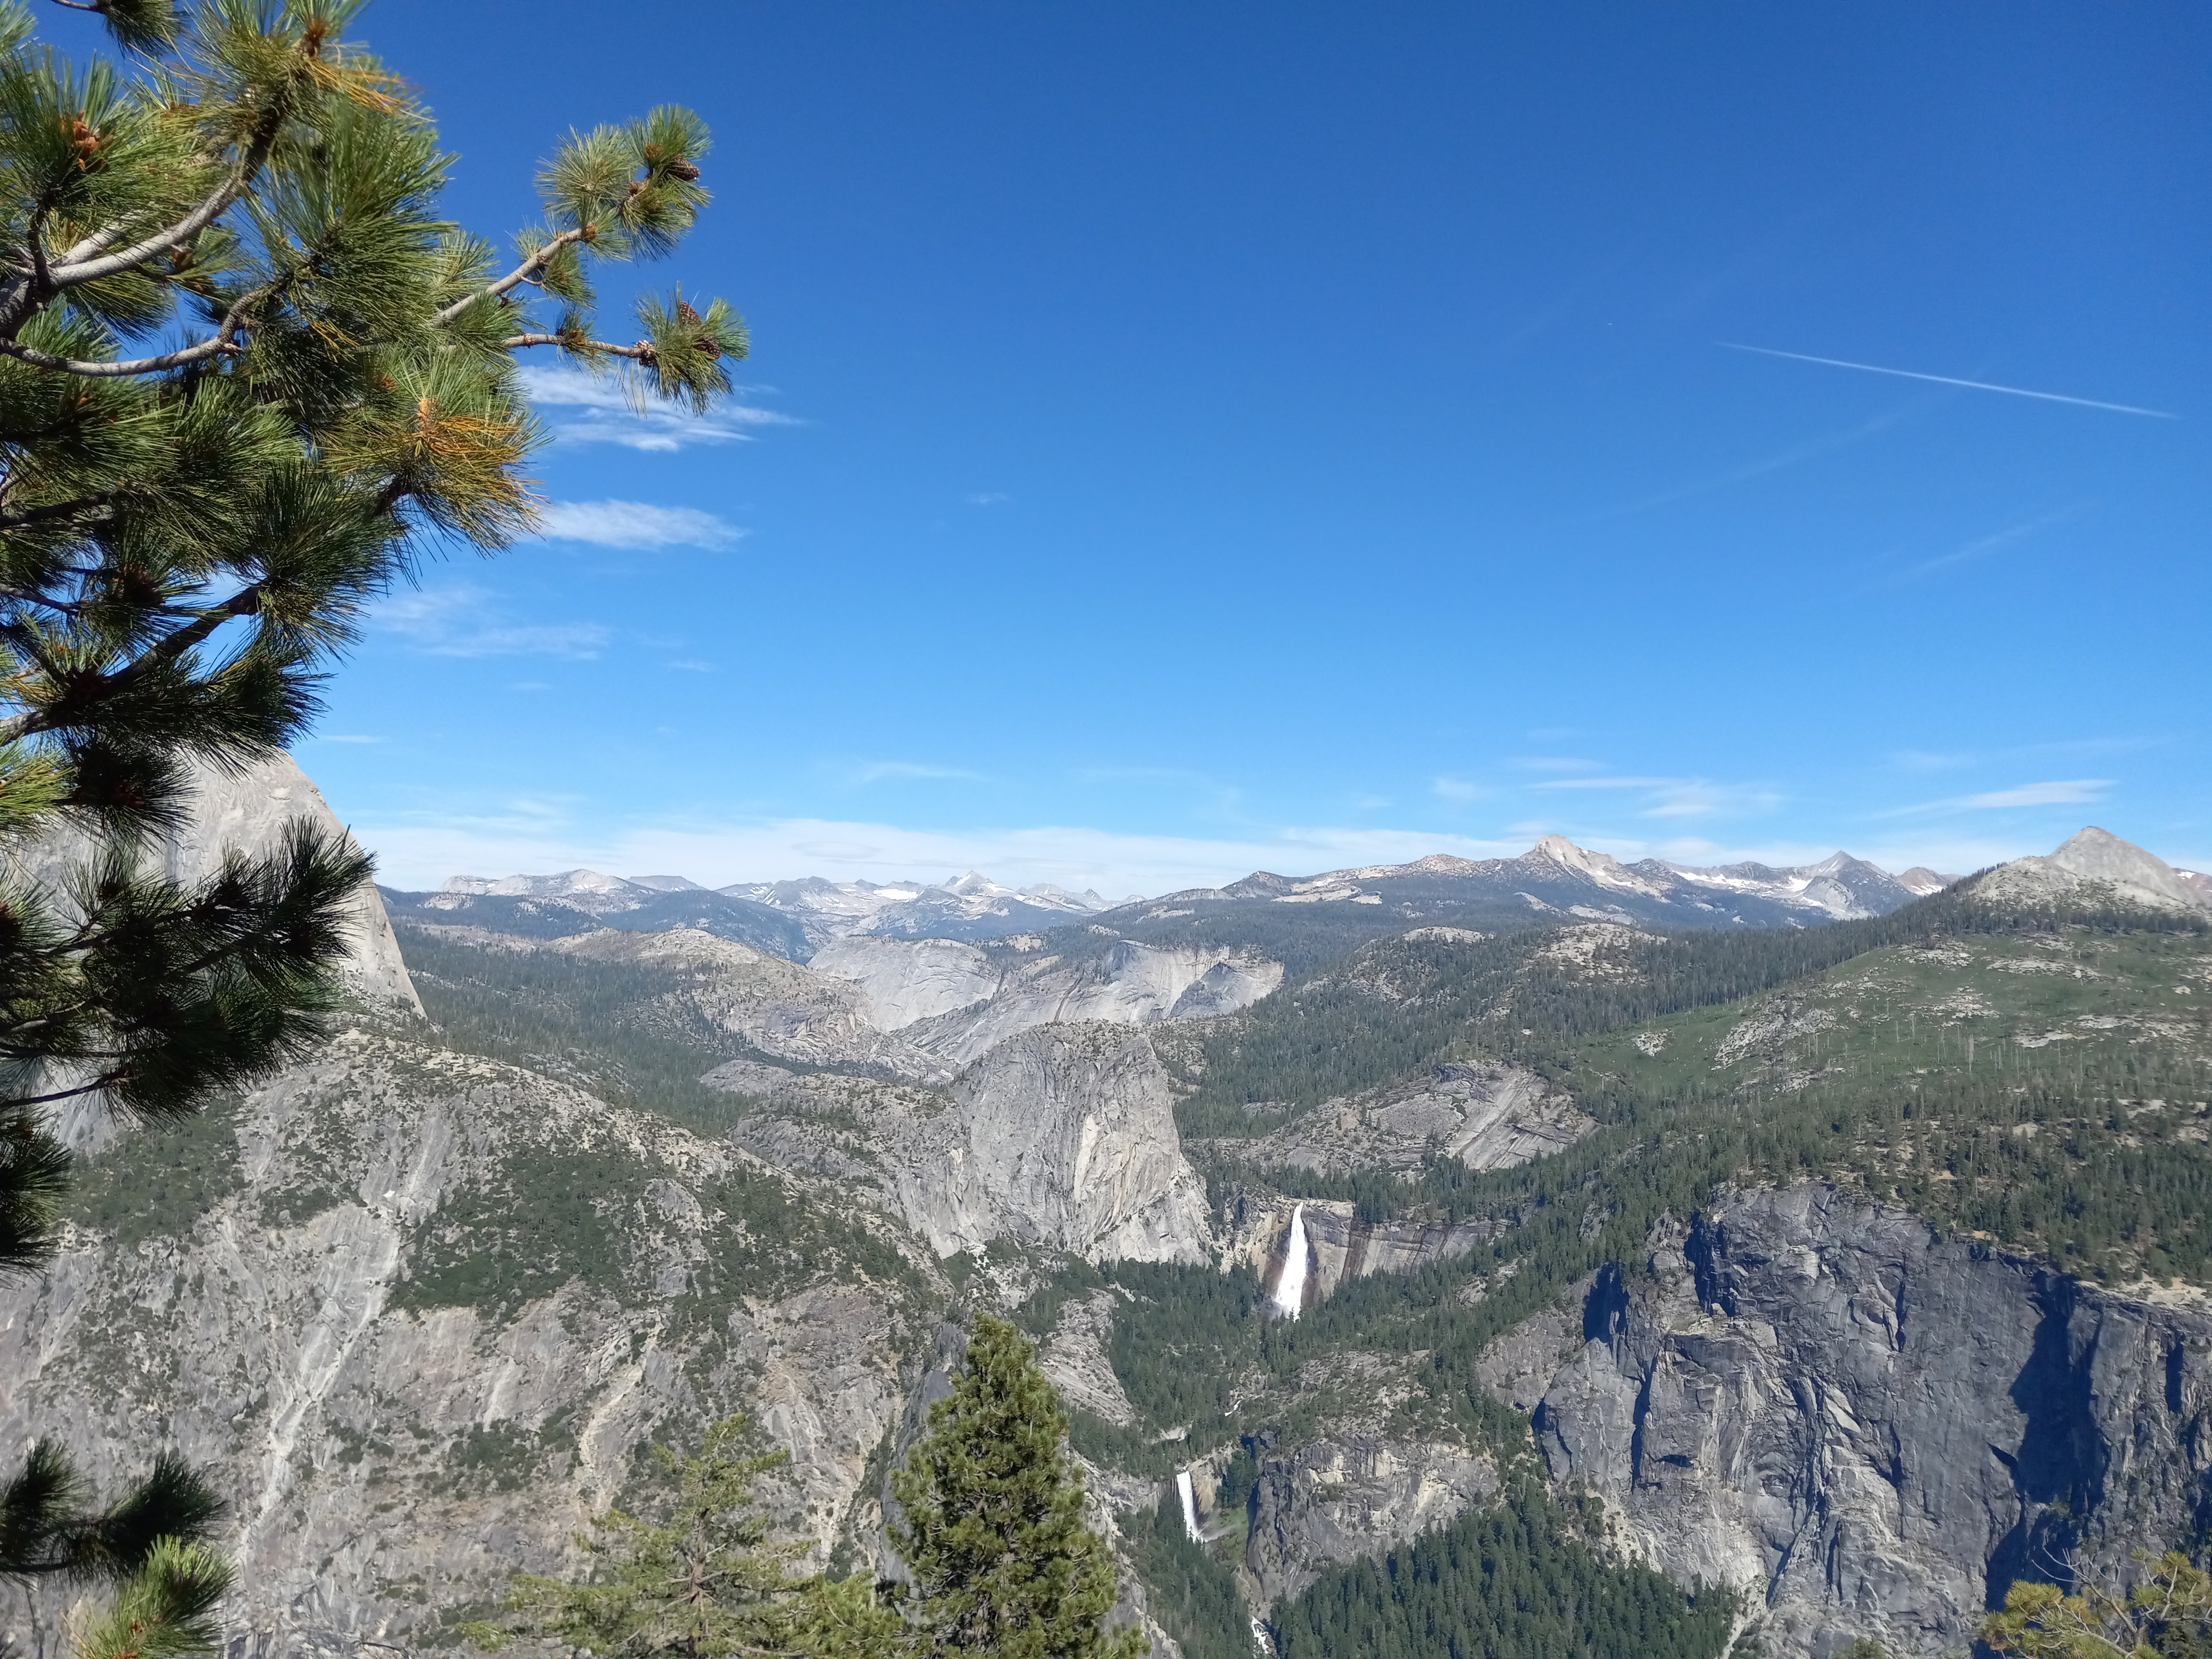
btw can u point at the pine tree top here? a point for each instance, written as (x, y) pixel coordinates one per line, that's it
(994, 1531)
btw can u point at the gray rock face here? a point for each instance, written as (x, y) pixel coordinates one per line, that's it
(1339, 1248)
(954, 1000)
(1071, 1139)
(247, 812)
(2092, 864)
(901, 981)
(1488, 1117)
(1357, 1491)
(401, 1409)
(778, 1006)
(1874, 1432)
(1063, 1136)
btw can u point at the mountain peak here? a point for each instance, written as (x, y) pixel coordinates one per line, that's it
(2097, 857)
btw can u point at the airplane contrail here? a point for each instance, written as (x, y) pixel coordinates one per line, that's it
(1946, 380)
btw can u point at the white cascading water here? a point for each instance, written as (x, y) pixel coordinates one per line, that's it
(1189, 1504)
(1291, 1288)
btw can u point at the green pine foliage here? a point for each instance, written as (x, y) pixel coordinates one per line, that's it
(992, 1526)
(1516, 1582)
(248, 378)
(1399, 1004)
(152, 1547)
(697, 1577)
(614, 1028)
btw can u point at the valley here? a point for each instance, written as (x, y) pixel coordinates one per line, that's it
(1803, 1274)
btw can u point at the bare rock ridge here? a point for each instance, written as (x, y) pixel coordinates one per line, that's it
(2095, 864)
(968, 907)
(951, 998)
(1556, 876)
(1873, 1429)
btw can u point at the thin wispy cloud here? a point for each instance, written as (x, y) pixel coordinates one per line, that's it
(637, 525)
(1812, 448)
(1948, 379)
(1926, 760)
(466, 621)
(877, 771)
(606, 414)
(1457, 789)
(347, 737)
(988, 498)
(1558, 763)
(1679, 798)
(1981, 546)
(2057, 792)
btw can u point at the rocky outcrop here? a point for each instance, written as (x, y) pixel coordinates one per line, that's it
(1063, 1137)
(1354, 1493)
(1488, 1117)
(1872, 1429)
(960, 1002)
(904, 980)
(2093, 866)
(775, 1006)
(1070, 1140)
(416, 1312)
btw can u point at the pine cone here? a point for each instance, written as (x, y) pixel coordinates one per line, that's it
(683, 170)
(684, 314)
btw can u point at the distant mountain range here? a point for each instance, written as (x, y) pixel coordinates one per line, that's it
(791, 918)
(1554, 879)
(1556, 875)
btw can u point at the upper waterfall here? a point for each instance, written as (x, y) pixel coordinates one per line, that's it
(1189, 1504)
(1291, 1288)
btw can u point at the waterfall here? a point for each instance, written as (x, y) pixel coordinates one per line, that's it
(1189, 1504)
(1291, 1288)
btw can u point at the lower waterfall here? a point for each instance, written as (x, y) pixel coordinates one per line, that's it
(1291, 1288)
(1189, 1504)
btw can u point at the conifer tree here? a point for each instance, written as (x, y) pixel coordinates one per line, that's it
(248, 378)
(703, 1582)
(2167, 1615)
(993, 1531)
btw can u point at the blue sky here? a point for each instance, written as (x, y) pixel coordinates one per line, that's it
(1185, 438)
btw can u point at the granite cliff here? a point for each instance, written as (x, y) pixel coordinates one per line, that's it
(1873, 1429)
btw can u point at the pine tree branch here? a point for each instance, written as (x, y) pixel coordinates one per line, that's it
(243, 603)
(522, 273)
(109, 371)
(47, 514)
(105, 1080)
(76, 266)
(83, 263)
(642, 352)
(222, 344)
